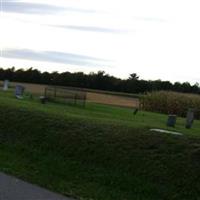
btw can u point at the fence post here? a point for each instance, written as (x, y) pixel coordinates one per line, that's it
(84, 99)
(75, 99)
(55, 91)
(45, 92)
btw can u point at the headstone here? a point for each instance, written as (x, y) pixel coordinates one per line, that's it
(166, 131)
(171, 121)
(189, 118)
(19, 91)
(5, 85)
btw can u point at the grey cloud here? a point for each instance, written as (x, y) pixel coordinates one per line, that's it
(92, 29)
(37, 8)
(54, 56)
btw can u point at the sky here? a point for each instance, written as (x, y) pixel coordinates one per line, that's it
(157, 39)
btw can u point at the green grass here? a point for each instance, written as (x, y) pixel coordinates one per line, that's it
(98, 152)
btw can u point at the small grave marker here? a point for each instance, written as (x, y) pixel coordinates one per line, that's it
(43, 99)
(19, 91)
(5, 85)
(171, 121)
(166, 131)
(189, 118)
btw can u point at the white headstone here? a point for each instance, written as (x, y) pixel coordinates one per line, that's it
(5, 85)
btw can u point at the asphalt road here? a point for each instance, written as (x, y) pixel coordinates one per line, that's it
(12, 188)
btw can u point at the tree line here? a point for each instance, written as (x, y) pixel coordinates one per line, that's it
(99, 80)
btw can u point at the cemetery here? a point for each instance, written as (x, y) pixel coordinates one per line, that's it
(99, 100)
(95, 96)
(111, 152)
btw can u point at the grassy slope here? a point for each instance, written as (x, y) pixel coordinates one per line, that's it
(99, 152)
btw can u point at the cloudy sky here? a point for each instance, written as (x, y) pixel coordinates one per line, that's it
(158, 39)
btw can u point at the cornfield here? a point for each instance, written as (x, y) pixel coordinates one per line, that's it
(171, 103)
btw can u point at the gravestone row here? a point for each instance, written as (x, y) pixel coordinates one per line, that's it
(171, 121)
(19, 89)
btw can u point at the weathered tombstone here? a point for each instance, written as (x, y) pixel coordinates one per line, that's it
(189, 118)
(5, 85)
(19, 91)
(171, 121)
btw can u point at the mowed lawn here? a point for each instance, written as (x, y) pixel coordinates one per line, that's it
(98, 152)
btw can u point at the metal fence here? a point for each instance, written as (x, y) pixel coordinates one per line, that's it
(65, 95)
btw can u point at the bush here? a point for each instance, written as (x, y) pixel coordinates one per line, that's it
(171, 103)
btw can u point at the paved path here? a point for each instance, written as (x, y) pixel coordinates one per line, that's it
(15, 189)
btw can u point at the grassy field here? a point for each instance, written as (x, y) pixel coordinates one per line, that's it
(95, 96)
(98, 152)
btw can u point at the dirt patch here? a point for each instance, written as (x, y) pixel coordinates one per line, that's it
(112, 100)
(91, 96)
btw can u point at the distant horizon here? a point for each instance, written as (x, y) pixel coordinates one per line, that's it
(87, 73)
(156, 39)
